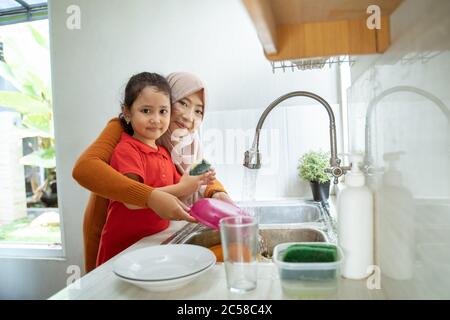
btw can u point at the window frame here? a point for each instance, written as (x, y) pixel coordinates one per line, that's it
(29, 250)
(24, 13)
(22, 250)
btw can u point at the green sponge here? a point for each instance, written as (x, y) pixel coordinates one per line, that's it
(200, 168)
(310, 253)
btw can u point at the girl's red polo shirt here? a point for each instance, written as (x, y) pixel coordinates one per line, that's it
(124, 226)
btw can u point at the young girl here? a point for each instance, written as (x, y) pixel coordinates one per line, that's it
(145, 117)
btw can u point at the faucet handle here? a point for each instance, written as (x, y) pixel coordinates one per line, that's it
(336, 172)
(330, 171)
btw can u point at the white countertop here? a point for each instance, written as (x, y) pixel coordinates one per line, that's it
(101, 283)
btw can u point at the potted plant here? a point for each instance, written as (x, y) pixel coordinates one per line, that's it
(311, 168)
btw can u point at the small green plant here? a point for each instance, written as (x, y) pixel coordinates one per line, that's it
(312, 166)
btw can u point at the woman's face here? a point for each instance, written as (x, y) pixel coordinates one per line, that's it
(187, 113)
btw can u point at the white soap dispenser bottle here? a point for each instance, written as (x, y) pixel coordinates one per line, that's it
(355, 223)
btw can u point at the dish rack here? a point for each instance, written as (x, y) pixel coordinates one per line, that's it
(310, 64)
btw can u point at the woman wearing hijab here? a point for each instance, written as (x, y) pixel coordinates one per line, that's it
(181, 140)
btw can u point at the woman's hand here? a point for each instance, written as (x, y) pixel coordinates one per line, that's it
(223, 196)
(209, 176)
(212, 176)
(168, 206)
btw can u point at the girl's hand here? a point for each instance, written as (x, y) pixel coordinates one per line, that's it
(223, 196)
(168, 206)
(190, 184)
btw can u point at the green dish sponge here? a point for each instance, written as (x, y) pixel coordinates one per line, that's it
(200, 168)
(310, 253)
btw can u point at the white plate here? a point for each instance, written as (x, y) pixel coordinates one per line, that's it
(164, 262)
(166, 285)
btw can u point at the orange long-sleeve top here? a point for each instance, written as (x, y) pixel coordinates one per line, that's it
(92, 171)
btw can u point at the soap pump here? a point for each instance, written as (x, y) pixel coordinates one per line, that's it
(355, 222)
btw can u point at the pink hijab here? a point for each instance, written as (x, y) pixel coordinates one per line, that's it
(185, 150)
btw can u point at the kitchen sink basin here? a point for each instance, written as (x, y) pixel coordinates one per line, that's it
(279, 221)
(268, 238)
(293, 212)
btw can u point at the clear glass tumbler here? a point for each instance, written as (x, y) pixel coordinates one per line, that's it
(239, 237)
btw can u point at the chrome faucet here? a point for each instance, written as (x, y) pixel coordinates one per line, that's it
(252, 158)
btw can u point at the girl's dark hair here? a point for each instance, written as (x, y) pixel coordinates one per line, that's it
(135, 85)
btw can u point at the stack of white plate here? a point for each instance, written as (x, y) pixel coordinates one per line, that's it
(164, 267)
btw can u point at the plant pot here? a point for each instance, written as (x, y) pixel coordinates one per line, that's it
(320, 191)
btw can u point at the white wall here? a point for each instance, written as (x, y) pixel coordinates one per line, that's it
(412, 207)
(90, 67)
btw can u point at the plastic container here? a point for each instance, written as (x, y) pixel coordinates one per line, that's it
(307, 280)
(209, 211)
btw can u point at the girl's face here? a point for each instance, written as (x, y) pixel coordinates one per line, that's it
(149, 115)
(187, 113)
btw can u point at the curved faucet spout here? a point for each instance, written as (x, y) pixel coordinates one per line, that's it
(253, 157)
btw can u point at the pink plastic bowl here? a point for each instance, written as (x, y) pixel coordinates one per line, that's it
(209, 211)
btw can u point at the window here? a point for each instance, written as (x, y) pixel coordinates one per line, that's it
(15, 11)
(29, 215)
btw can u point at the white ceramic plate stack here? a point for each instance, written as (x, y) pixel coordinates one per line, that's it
(164, 267)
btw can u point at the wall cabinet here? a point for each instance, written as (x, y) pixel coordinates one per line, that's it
(297, 29)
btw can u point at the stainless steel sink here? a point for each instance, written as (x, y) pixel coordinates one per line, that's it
(268, 238)
(291, 212)
(286, 221)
